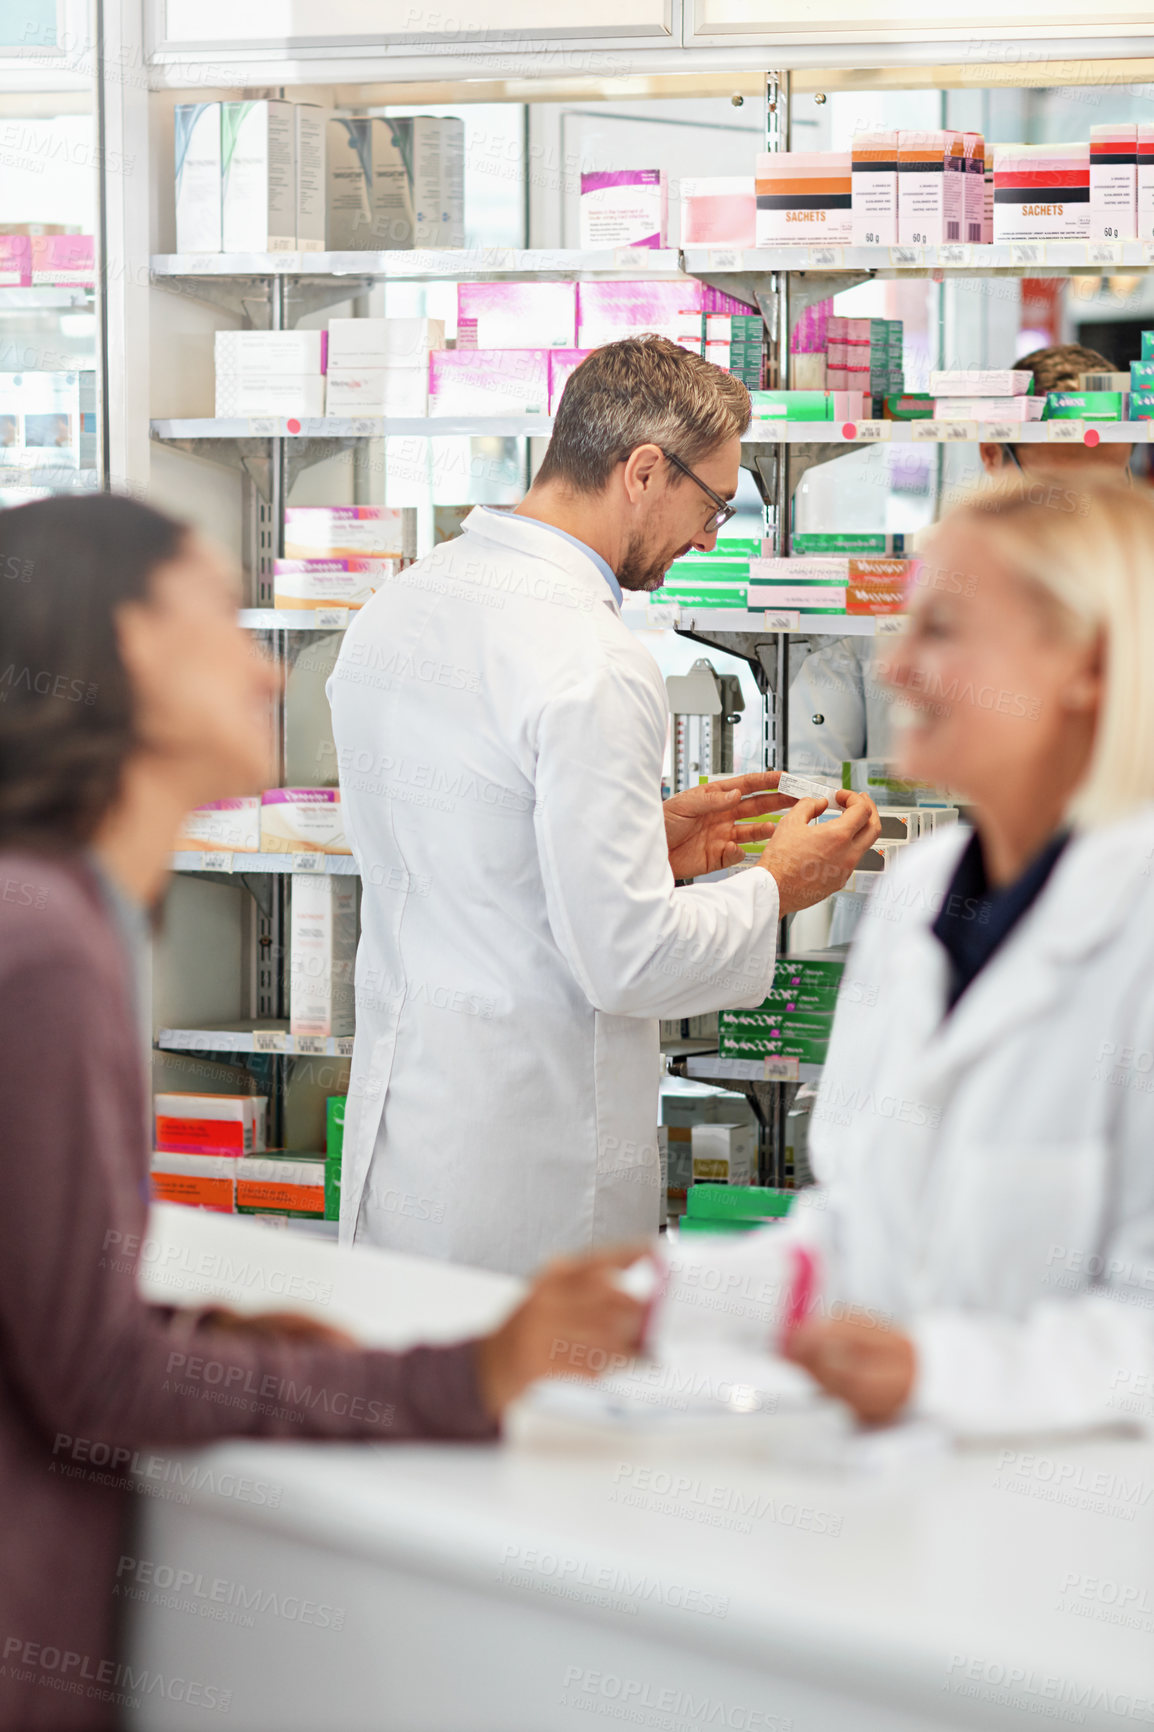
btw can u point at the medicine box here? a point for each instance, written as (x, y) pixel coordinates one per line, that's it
(719, 211)
(334, 1154)
(563, 363)
(302, 821)
(313, 583)
(15, 261)
(322, 951)
(804, 196)
(381, 343)
(197, 1181)
(258, 199)
(281, 1184)
(516, 315)
(1114, 181)
(1145, 206)
(975, 197)
(625, 207)
(1042, 192)
(610, 310)
(206, 1124)
(874, 159)
(981, 382)
(233, 825)
(931, 187)
(197, 165)
(724, 1154)
(470, 382)
(350, 531)
(1084, 406)
(277, 352)
(310, 124)
(434, 149)
(48, 420)
(368, 185)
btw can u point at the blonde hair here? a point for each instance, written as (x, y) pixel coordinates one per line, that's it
(1088, 548)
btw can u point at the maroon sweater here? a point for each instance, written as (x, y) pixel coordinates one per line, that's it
(86, 1366)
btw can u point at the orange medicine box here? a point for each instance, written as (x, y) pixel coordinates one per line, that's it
(199, 1181)
(804, 195)
(281, 1184)
(875, 586)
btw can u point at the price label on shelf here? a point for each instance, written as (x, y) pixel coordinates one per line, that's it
(724, 258)
(1065, 432)
(1148, 252)
(1028, 253)
(364, 426)
(269, 1040)
(330, 618)
(640, 259)
(311, 1045)
(781, 621)
(955, 255)
(908, 256)
(1104, 253)
(780, 1069)
(890, 624)
(217, 860)
(308, 862)
(1002, 432)
(265, 427)
(954, 432)
(872, 432)
(826, 258)
(344, 1045)
(929, 431)
(768, 428)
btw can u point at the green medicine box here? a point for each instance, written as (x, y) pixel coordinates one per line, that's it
(738, 1202)
(1083, 406)
(334, 1150)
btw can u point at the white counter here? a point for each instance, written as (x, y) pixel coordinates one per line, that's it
(651, 1583)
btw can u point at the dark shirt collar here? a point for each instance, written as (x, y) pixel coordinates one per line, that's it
(975, 919)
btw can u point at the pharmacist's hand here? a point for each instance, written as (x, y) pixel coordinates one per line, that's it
(575, 1320)
(866, 1364)
(810, 861)
(705, 826)
(277, 1325)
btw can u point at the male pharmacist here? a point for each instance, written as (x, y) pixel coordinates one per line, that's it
(838, 708)
(500, 735)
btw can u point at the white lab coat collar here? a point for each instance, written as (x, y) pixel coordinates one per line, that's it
(524, 537)
(1086, 902)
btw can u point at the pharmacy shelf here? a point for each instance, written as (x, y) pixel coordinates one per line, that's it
(24, 299)
(709, 1067)
(241, 864)
(667, 616)
(355, 427)
(264, 1037)
(60, 479)
(1026, 258)
(759, 433)
(423, 265)
(295, 618)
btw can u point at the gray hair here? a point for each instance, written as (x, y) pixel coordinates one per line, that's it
(641, 391)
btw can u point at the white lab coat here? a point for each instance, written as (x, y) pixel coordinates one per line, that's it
(500, 736)
(838, 708)
(987, 1180)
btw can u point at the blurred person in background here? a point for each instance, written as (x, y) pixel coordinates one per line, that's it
(130, 695)
(983, 1130)
(839, 707)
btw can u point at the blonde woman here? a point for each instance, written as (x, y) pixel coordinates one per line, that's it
(984, 1134)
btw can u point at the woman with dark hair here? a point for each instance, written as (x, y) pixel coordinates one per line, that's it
(128, 695)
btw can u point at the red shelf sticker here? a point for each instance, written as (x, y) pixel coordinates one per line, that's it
(849, 431)
(1091, 436)
(293, 426)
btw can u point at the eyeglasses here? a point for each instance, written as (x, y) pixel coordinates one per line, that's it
(724, 509)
